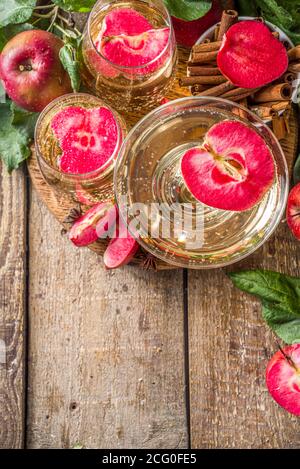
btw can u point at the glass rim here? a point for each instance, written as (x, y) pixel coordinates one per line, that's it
(133, 67)
(176, 260)
(105, 166)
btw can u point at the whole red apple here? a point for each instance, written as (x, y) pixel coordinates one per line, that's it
(283, 378)
(31, 70)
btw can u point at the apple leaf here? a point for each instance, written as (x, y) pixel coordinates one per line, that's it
(13, 140)
(69, 58)
(15, 11)
(280, 296)
(285, 325)
(12, 30)
(188, 10)
(23, 120)
(81, 6)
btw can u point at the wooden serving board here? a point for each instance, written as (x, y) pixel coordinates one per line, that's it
(60, 209)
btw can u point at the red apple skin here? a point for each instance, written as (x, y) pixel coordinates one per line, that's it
(187, 32)
(283, 380)
(293, 211)
(31, 70)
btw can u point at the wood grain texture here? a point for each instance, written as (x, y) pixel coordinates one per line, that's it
(12, 307)
(230, 346)
(106, 349)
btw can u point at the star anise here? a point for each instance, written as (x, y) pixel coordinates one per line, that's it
(150, 263)
(73, 215)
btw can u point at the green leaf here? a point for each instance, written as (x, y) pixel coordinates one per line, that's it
(82, 6)
(68, 57)
(283, 13)
(12, 30)
(276, 13)
(24, 120)
(188, 10)
(15, 11)
(13, 140)
(2, 93)
(286, 326)
(280, 296)
(296, 171)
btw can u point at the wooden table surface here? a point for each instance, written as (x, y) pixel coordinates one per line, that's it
(128, 358)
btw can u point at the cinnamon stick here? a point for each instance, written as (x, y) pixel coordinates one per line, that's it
(239, 97)
(294, 67)
(216, 31)
(217, 90)
(294, 53)
(266, 110)
(280, 105)
(280, 92)
(204, 57)
(207, 47)
(196, 89)
(194, 70)
(289, 77)
(239, 91)
(279, 126)
(202, 80)
(229, 18)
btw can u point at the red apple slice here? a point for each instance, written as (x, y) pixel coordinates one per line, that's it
(134, 51)
(251, 56)
(293, 211)
(87, 137)
(94, 224)
(72, 117)
(232, 170)
(283, 378)
(121, 249)
(128, 39)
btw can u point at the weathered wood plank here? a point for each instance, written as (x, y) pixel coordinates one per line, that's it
(106, 364)
(12, 307)
(229, 349)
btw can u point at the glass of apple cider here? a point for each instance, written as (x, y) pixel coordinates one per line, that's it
(129, 53)
(77, 140)
(202, 181)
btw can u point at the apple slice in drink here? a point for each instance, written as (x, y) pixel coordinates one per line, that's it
(283, 378)
(87, 137)
(128, 39)
(232, 170)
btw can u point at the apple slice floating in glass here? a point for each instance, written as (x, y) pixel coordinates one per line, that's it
(232, 170)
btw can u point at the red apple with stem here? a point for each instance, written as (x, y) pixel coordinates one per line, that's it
(283, 378)
(31, 70)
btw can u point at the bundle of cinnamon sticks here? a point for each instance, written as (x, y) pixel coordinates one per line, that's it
(205, 79)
